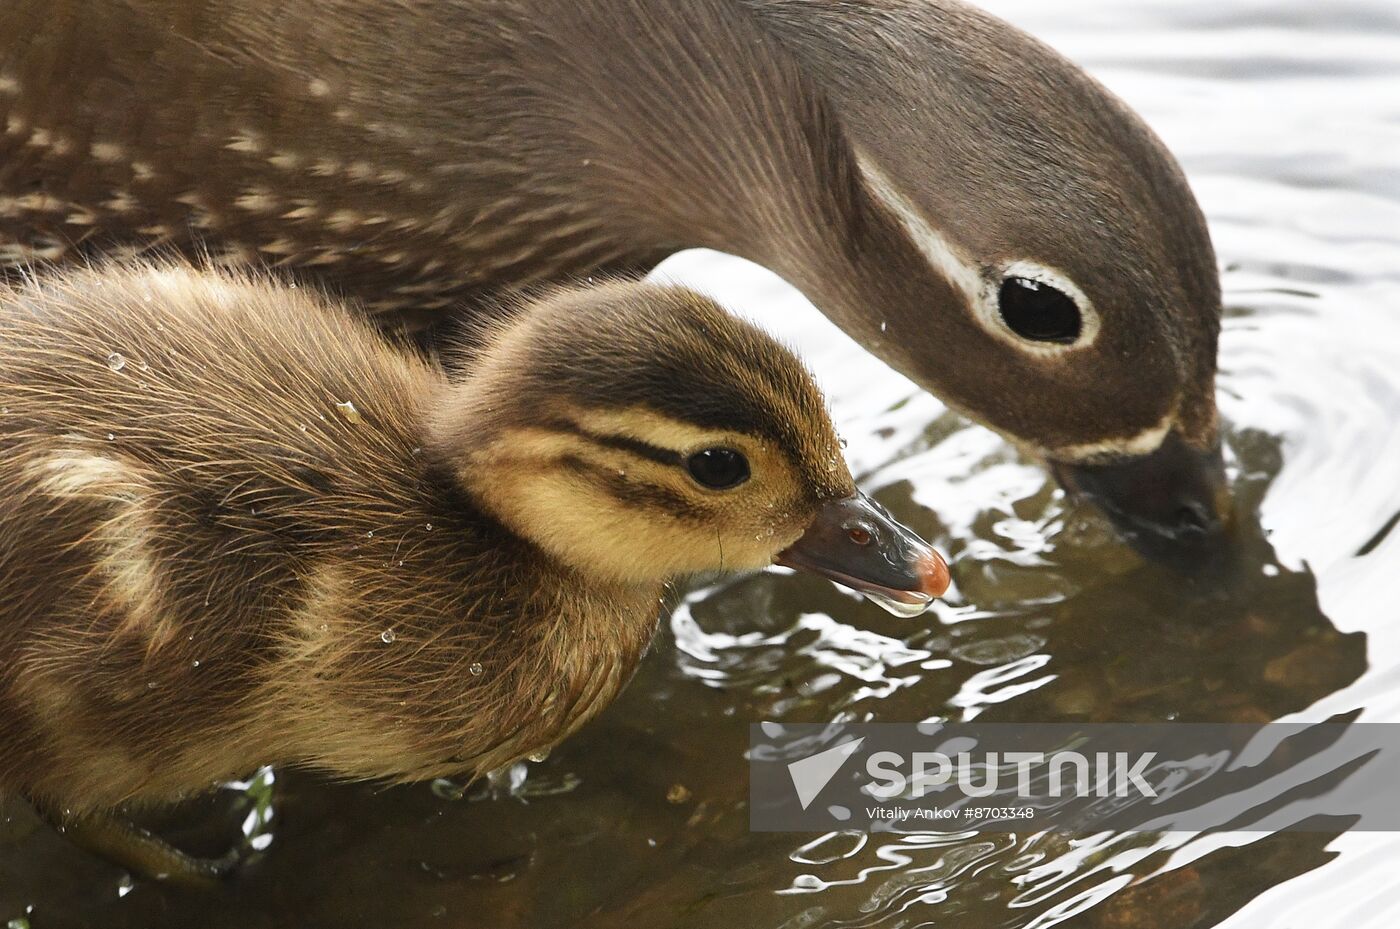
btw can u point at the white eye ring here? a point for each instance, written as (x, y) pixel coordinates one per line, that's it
(987, 308)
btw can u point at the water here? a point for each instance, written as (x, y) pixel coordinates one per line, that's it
(1286, 114)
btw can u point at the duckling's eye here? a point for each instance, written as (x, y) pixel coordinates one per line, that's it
(1034, 310)
(718, 468)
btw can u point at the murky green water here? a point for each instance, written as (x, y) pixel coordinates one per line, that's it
(1287, 116)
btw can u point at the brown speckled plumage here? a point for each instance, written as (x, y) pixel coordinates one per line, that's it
(241, 527)
(419, 155)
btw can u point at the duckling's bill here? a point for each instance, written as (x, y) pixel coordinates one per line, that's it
(856, 543)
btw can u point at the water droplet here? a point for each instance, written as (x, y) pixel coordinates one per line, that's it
(475, 668)
(150, 685)
(387, 636)
(843, 443)
(302, 427)
(428, 527)
(142, 366)
(369, 534)
(116, 361)
(906, 610)
(324, 627)
(884, 325)
(348, 411)
(539, 756)
(111, 437)
(195, 663)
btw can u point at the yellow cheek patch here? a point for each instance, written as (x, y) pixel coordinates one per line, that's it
(625, 517)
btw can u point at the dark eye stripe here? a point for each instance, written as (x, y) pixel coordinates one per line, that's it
(621, 443)
(635, 493)
(638, 447)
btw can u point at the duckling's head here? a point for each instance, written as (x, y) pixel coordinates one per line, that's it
(637, 432)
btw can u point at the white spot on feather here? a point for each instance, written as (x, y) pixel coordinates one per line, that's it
(344, 220)
(121, 202)
(107, 152)
(247, 140)
(257, 200)
(287, 161)
(282, 246)
(41, 203)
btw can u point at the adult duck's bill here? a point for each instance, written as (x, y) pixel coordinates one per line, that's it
(858, 544)
(1170, 504)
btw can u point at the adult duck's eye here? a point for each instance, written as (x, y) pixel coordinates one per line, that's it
(1034, 310)
(718, 468)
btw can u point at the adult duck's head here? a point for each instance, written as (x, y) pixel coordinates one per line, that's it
(984, 217)
(1059, 282)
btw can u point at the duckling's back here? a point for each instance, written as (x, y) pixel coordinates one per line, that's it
(161, 433)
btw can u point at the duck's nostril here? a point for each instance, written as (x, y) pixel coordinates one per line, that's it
(1194, 517)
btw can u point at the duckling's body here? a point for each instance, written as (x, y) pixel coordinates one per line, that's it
(208, 563)
(241, 527)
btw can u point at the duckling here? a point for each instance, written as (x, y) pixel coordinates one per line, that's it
(967, 204)
(242, 527)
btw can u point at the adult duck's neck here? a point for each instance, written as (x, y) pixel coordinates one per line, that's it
(683, 125)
